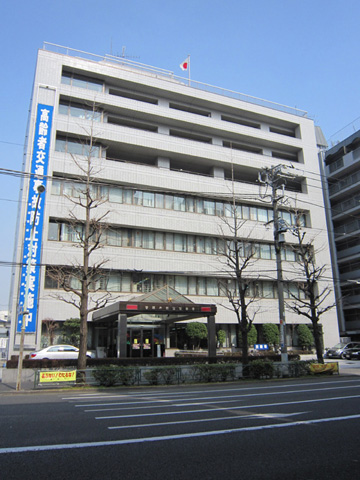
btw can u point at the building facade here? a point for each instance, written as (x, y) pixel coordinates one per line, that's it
(342, 169)
(170, 158)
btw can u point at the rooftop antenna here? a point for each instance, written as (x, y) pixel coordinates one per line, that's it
(123, 50)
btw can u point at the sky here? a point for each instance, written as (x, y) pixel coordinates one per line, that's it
(301, 53)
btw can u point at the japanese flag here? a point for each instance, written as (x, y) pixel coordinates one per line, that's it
(185, 64)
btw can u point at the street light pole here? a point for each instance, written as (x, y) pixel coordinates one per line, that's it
(40, 190)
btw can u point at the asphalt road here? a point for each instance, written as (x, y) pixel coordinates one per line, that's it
(296, 429)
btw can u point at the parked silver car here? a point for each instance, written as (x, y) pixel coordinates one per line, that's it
(58, 352)
(339, 350)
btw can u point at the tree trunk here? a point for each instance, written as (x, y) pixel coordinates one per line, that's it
(317, 338)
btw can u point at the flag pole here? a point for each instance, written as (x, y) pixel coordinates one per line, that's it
(189, 69)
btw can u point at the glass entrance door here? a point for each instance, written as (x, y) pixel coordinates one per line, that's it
(141, 342)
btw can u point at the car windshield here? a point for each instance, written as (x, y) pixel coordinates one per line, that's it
(338, 345)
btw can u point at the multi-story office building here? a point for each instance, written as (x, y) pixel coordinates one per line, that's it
(169, 158)
(342, 164)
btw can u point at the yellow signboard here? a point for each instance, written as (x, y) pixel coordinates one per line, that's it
(331, 367)
(67, 376)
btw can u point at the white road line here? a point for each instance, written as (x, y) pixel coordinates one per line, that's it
(182, 412)
(203, 400)
(42, 448)
(165, 393)
(200, 420)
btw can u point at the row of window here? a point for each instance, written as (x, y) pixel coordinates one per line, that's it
(349, 267)
(80, 111)
(82, 81)
(182, 203)
(74, 147)
(344, 182)
(177, 242)
(345, 205)
(186, 285)
(348, 227)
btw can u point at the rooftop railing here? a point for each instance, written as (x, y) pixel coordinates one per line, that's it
(164, 74)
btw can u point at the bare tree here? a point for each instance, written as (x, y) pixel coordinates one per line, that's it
(311, 300)
(238, 256)
(51, 327)
(84, 277)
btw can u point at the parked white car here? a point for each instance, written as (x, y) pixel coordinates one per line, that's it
(58, 352)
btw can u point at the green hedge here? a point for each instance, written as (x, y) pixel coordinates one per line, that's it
(109, 375)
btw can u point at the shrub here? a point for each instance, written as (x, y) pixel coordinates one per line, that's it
(128, 375)
(109, 375)
(306, 338)
(71, 331)
(106, 375)
(271, 333)
(152, 376)
(259, 369)
(196, 331)
(221, 336)
(168, 374)
(213, 372)
(299, 368)
(252, 336)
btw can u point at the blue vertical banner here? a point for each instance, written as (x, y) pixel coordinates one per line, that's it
(39, 168)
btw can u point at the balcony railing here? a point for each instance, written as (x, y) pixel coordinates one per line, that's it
(168, 75)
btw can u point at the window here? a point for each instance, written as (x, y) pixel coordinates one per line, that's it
(148, 199)
(199, 205)
(138, 197)
(245, 212)
(114, 282)
(180, 242)
(138, 238)
(75, 147)
(190, 204)
(115, 194)
(159, 241)
(228, 210)
(159, 200)
(54, 231)
(55, 187)
(126, 282)
(114, 237)
(200, 245)
(191, 246)
(169, 241)
(181, 284)
(179, 203)
(169, 202)
(262, 215)
(148, 239)
(209, 207)
(201, 286)
(265, 251)
(126, 237)
(81, 81)
(212, 287)
(80, 111)
(208, 245)
(268, 291)
(191, 285)
(128, 197)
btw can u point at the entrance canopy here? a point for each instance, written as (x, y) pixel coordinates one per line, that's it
(161, 308)
(164, 306)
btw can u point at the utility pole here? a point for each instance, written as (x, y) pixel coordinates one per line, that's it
(273, 178)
